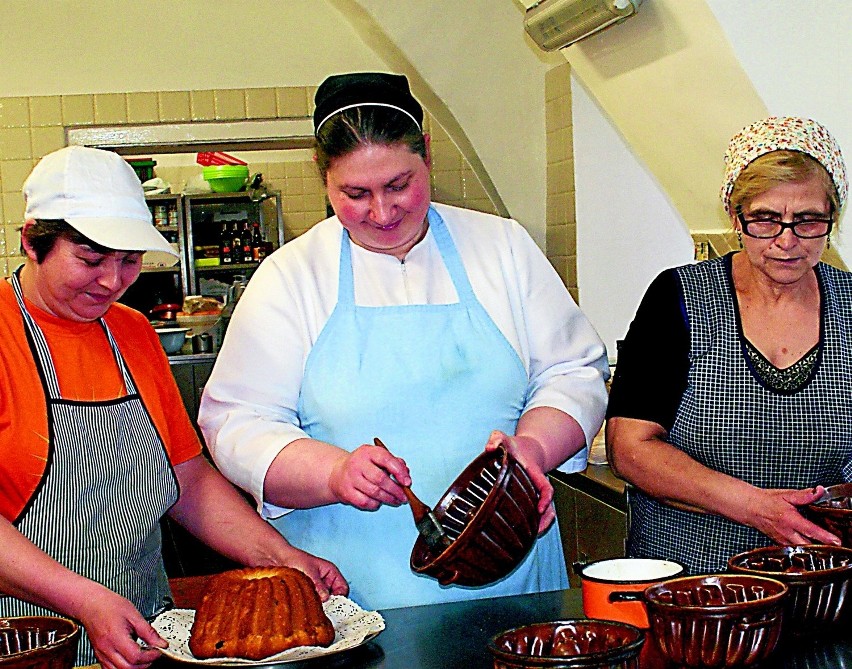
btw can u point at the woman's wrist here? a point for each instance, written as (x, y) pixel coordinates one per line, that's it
(531, 450)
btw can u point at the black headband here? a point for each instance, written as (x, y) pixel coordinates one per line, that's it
(344, 91)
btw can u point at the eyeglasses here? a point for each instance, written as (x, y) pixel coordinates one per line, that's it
(768, 228)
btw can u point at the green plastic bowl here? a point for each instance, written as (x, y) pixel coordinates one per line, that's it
(226, 178)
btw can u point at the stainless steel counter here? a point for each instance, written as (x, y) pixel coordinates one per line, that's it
(191, 358)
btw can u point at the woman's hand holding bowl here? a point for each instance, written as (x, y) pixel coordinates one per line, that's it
(775, 512)
(530, 454)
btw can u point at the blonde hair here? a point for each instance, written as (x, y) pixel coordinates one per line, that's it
(776, 168)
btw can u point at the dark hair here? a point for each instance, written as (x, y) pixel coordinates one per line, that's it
(43, 234)
(346, 131)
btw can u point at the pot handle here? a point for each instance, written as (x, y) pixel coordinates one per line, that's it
(621, 596)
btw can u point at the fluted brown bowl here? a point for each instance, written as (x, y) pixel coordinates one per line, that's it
(835, 515)
(24, 642)
(569, 644)
(716, 621)
(818, 578)
(490, 513)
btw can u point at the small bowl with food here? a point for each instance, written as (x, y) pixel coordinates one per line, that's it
(563, 644)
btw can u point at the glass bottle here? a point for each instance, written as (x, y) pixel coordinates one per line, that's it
(258, 243)
(245, 243)
(225, 246)
(236, 243)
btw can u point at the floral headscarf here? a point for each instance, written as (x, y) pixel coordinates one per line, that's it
(784, 133)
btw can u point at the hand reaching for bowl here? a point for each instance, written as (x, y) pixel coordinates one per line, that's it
(364, 478)
(776, 513)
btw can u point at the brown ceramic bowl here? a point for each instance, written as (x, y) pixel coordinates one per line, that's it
(38, 642)
(724, 620)
(564, 644)
(490, 513)
(818, 578)
(835, 515)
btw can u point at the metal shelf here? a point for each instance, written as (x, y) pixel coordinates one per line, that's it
(155, 270)
(226, 268)
(203, 215)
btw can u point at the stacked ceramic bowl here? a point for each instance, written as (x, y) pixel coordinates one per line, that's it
(491, 515)
(716, 622)
(569, 644)
(818, 578)
(38, 642)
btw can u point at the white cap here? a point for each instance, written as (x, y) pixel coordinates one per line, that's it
(99, 195)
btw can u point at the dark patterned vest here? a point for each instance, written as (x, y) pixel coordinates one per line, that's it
(730, 421)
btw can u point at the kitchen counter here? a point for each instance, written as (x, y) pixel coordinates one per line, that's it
(599, 482)
(592, 510)
(446, 636)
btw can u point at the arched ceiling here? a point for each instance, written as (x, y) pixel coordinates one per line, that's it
(476, 70)
(670, 82)
(667, 78)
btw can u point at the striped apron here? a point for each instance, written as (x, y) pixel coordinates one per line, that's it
(105, 487)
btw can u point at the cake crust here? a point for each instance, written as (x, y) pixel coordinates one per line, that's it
(257, 612)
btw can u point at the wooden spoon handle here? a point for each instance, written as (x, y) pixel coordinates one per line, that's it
(418, 508)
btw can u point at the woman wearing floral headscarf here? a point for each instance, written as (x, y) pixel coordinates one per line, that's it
(748, 358)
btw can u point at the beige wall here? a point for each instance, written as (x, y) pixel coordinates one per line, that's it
(670, 82)
(470, 59)
(484, 89)
(33, 126)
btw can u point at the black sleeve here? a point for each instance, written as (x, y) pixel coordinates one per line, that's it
(653, 360)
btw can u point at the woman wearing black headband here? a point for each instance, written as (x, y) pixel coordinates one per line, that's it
(440, 330)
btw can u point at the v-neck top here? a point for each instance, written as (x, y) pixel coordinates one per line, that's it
(730, 421)
(657, 346)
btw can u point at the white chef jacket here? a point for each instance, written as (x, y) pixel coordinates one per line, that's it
(248, 408)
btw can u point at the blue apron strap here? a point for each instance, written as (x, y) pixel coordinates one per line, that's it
(346, 280)
(451, 258)
(448, 251)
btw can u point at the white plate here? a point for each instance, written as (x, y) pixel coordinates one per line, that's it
(353, 626)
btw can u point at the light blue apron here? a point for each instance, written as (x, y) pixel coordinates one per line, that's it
(432, 382)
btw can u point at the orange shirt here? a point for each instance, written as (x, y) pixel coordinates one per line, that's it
(86, 371)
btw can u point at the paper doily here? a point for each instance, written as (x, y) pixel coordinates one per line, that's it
(353, 626)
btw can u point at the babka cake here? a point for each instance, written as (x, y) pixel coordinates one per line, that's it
(257, 612)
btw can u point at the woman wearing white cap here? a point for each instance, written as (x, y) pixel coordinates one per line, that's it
(440, 330)
(748, 358)
(95, 446)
